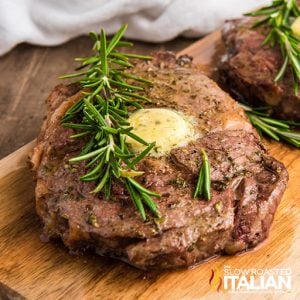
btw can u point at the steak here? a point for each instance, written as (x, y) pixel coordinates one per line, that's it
(247, 183)
(248, 69)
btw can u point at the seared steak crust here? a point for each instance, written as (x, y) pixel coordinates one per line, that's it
(247, 184)
(249, 69)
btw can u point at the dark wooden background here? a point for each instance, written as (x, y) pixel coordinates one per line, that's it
(28, 73)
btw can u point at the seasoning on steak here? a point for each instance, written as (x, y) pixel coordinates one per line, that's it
(247, 183)
(248, 68)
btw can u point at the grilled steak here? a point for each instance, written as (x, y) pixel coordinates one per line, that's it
(249, 69)
(247, 183)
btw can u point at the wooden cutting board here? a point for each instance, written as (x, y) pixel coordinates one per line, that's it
(47, 271)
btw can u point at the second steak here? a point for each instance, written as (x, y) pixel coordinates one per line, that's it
(248, 69)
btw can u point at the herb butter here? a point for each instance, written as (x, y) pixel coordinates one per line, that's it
(168, 128)
(296, 27)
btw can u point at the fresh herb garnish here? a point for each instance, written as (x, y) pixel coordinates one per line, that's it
(204, 180)
(279, 17)
(273, 128)
(101, 117)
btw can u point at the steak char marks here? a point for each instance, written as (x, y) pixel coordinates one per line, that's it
(247, 184)
(248, 69)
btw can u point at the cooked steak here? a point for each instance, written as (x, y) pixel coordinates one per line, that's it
(249, 69)
(247, 183)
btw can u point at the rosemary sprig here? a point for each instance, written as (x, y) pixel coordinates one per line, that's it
(204, 181)
(279, 16)
(273, 128)
(101, 118)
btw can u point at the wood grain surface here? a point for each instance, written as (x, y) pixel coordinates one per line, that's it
(27, 75)
(48, 271)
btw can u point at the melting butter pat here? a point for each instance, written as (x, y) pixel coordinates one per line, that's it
(168, 128)
(296, 27)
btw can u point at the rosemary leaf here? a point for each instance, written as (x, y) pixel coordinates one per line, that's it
(103, 181)
(275, 129)
(142, 189)
(88, 155)
(143, 154)
(108, 93)
(204, 182)
(278, 18)
(151, 204)
(116, 38)
(103, 53)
